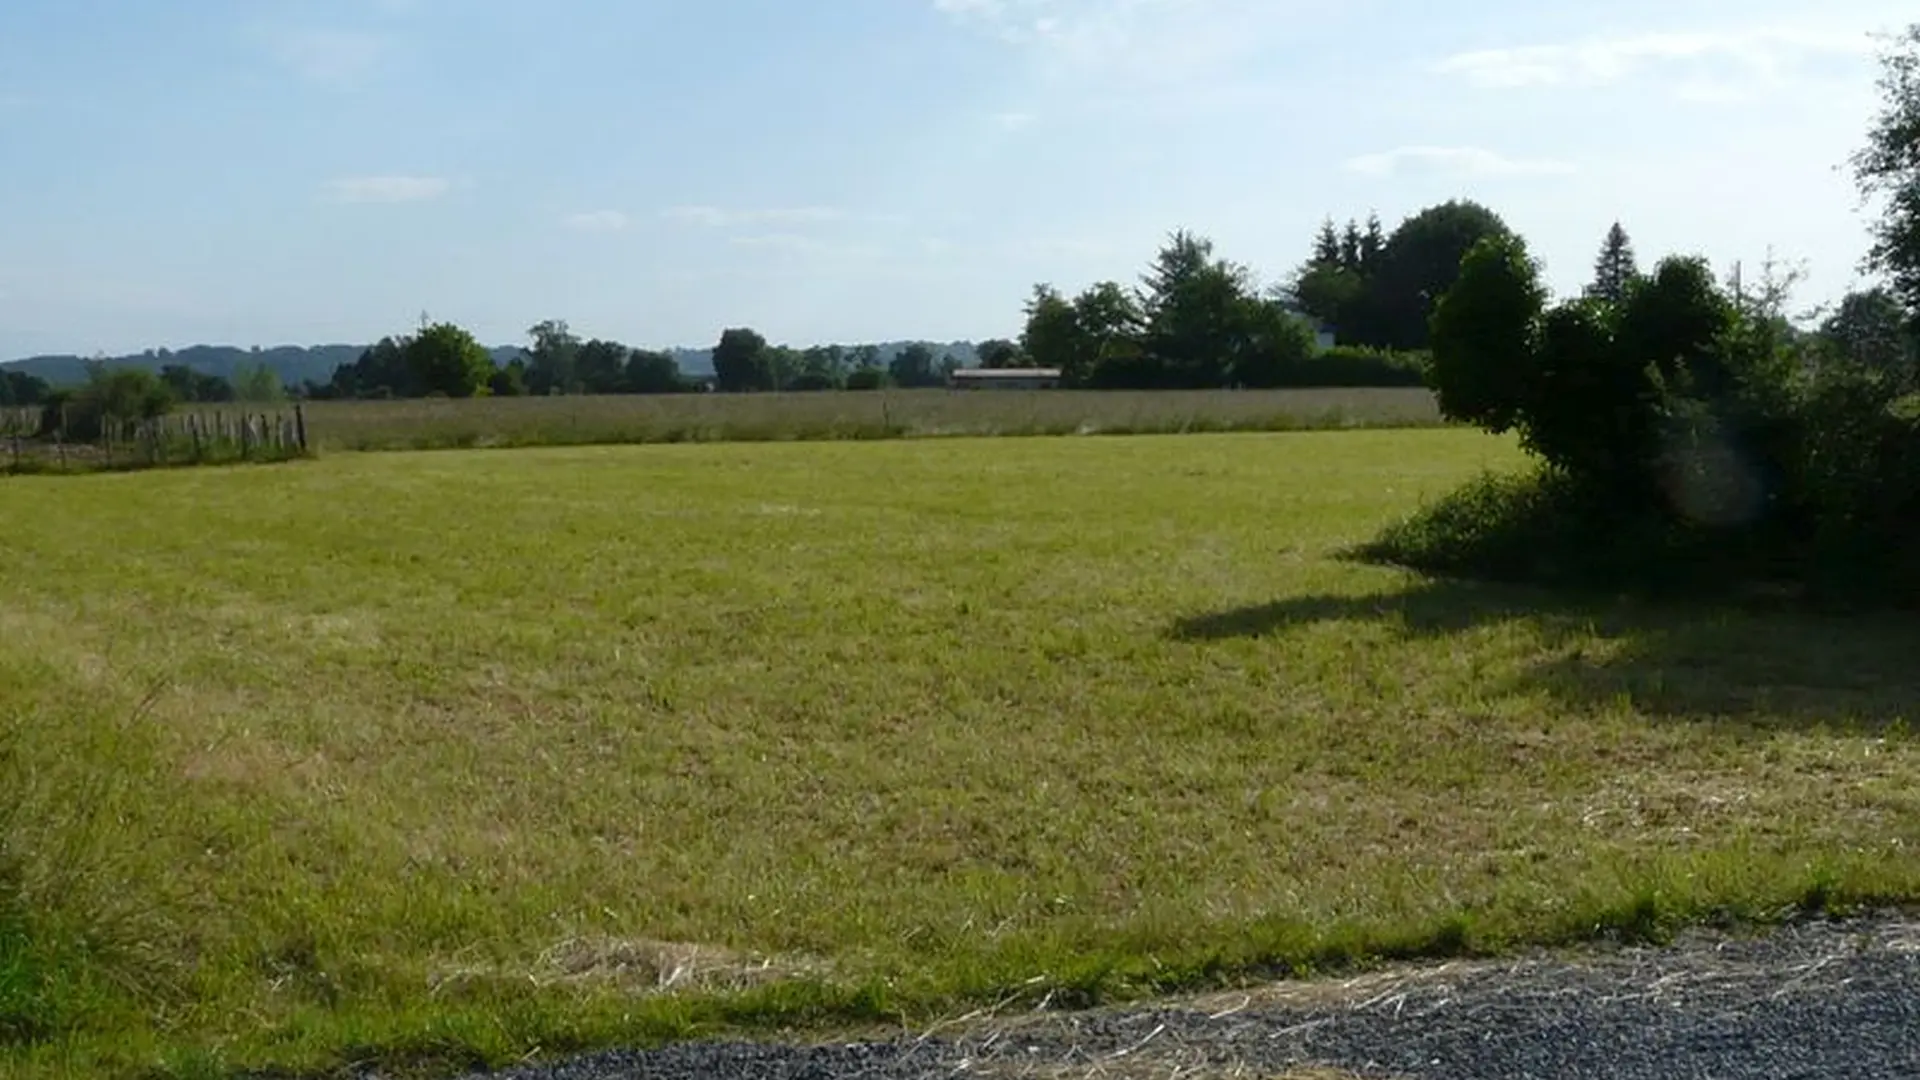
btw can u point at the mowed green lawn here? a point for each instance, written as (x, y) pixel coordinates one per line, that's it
(421, 755)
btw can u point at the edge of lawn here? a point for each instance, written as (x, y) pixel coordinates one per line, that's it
(509, 1022)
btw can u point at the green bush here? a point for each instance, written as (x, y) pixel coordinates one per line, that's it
(1546, 527)
(119, 396)
(1687, 438)
(1359, 366)
(812, 382)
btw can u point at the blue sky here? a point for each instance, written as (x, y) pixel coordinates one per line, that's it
(279, 171)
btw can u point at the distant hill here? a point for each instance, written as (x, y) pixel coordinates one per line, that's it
(292, 363)
(297, 364)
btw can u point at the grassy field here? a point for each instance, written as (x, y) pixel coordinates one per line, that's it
(417, 425)
(459, 757)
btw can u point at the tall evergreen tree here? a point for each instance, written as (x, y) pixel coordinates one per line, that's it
(1373, 244)
(1616, 267)
(1326, 246)
(1351, 246)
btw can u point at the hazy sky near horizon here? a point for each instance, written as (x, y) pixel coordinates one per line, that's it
(305, 171)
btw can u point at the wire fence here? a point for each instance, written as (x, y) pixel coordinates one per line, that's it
(36, 440)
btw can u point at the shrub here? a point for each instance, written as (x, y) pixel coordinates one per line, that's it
(1686, 438)
(446, 360)
(119, 396)
(1545, 526)
(812, 382)
(1359, 366)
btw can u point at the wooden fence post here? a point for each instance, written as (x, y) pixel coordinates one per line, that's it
(300, 426)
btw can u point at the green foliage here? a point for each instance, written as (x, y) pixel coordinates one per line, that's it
(1485, 328)
(998, 353)
(17, 388)
(1380, 290)
(257, 384)
(444, 359)
(1266, 345)
(111, 397)
(509, 380)
(1676, 319)
(1690, 436)
(649, 372)
(916, 366)
(601, 367)
(821, 367)
(1545, 526)
(1869, 330)
(1109, 351)
(1196, 322)
(1360, 366)
(553, 362)
(741, 362)
(190, 385)
(1053, 337)
(867, 378)
(1333, 293)
(381, 371)
(1616, 269)
(1421, 262)
(1202, 322)
(1888, 168)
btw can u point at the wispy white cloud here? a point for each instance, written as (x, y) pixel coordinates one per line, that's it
(1454, 161)
(601, 221)
(719, 218)
(783, 241)
(1167, 55)
(809, 248)
(332, 57)
(1733, 62)
(388, 189)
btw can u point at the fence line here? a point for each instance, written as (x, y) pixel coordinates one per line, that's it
(34, 441)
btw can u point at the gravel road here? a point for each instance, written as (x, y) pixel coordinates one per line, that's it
(1818, 999)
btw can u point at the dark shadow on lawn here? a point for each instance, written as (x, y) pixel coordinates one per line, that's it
(1761, 664)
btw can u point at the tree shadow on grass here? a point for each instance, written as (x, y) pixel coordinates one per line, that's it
(1762, 665)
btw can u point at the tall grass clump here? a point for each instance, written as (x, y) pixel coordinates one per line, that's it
(1686, 436)
(83, 941)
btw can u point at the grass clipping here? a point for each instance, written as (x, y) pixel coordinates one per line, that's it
(644, 967)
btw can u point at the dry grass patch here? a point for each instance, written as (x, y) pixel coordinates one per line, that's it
(392, 425)
(1158, 1067)
(650, 967)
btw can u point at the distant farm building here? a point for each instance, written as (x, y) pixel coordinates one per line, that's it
(1006, 379)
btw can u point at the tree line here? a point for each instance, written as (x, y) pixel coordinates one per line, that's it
(251, 384)
(1196, 320)
(445, 360)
